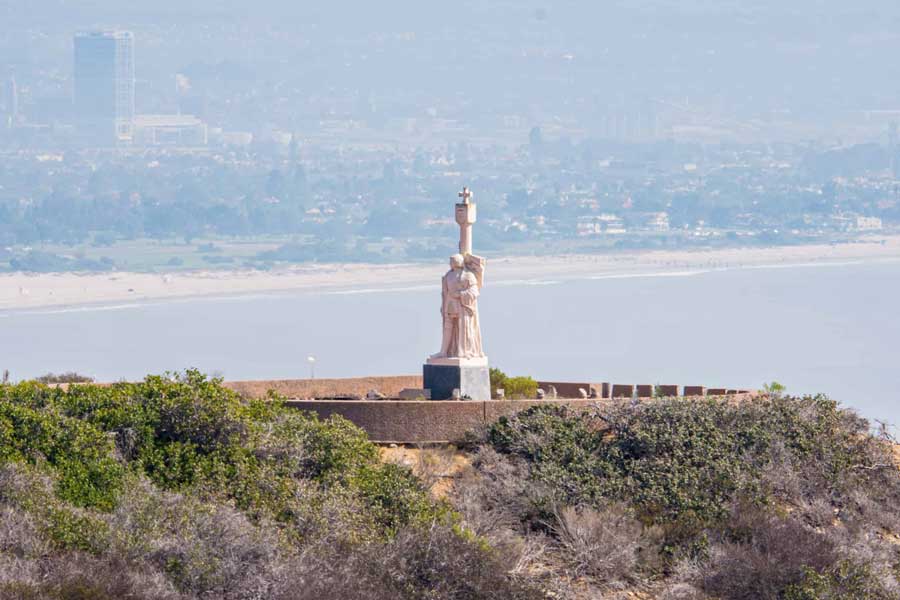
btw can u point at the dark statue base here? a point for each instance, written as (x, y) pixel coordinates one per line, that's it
(473, 382)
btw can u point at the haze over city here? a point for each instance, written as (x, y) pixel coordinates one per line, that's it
(746, 71)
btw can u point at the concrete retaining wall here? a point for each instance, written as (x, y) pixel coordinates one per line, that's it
(415, 421)
(435, 421)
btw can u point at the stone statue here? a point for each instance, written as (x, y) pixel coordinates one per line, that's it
(460, 369)
(459, 310)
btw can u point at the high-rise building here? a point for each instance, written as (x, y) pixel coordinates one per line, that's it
(12, 102)
(104, 82)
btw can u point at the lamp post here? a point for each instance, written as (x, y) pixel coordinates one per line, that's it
(312, 366)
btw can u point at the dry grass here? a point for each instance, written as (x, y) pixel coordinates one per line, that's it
(438, 466)
(602, 544)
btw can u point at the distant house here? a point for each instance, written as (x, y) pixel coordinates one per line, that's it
(608, 224)
(841, 222)
(845, 222)
(656, 221)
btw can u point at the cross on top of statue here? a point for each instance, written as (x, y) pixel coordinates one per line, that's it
(465, 216)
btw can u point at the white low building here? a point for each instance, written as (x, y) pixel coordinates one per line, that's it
(868, 224)
(600, 225)
(170, 130)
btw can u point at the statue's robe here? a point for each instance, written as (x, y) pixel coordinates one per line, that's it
(468, 328)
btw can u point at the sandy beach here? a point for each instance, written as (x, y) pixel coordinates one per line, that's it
(29, 291)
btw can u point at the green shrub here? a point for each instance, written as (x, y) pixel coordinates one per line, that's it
(515, 388)
(188, 432)
(498, 381)
(81, 454)
(521, 388)
(74, 530)
(335, 448)
(844, 580)
(394, 497)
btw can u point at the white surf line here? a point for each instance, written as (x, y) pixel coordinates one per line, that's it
(652, 274)
(514, 282)
(381, 290)
(135, 304)
(71, 309)
(720, 269)
(808, 265)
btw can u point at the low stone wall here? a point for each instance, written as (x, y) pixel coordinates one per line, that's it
(426, 421)
(569, 389)
(419, 422)
(435, 421)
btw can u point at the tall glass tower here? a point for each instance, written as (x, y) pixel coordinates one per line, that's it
(12, 102)
(104, 82)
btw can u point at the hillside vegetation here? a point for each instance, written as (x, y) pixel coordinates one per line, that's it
(177, 488)
(773, 498)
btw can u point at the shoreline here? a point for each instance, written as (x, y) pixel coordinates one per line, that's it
(24, 291)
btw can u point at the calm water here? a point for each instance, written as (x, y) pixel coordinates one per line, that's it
(830, 329)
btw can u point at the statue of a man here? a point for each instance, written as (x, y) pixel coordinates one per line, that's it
(459, 310)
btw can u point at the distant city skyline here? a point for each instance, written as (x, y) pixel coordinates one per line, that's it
(755, 72)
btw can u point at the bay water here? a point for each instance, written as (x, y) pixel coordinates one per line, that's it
(830, 328)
